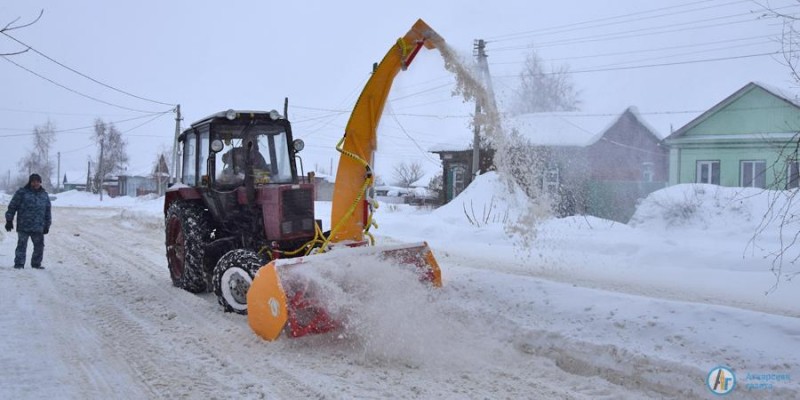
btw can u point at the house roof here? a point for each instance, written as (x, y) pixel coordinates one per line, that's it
(561, 128)
(730, 99)
(73, 177)
(558, 128)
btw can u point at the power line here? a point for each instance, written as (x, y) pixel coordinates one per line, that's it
(147, 122)
(603, 69)
(637, 33)
(675, 55)
(422, 92)
(75, 91)
(666, 64)
(564, 28)
(52, 112)
(650, 50)
(159, 114)
(82, 74)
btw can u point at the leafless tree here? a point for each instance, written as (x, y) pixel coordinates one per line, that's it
(406, 174)
(112, 156)
(783, 208)
(783, 213)
(13, 26)
(38, 159)
(542, 91)
(790, 37)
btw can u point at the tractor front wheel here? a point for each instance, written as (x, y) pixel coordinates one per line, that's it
(232, 278)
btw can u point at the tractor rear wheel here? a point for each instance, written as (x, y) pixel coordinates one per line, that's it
(187, 230)
(232, 278)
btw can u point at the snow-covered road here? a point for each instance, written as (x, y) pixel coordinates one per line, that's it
(104, 321)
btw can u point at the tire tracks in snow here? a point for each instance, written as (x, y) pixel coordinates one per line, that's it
(180, 345)
(168, 336)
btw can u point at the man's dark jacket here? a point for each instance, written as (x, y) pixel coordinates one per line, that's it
(32, 208)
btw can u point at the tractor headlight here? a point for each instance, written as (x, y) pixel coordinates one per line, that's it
(275, 115)
(298, 145)
(216, 145)
(230, 115)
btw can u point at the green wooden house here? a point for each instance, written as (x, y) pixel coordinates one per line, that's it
(749, 139)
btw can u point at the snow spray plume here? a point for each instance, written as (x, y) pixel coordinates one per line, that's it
(389, 316)
(515, 164)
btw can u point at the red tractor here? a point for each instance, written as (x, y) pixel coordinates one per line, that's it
(239, 203)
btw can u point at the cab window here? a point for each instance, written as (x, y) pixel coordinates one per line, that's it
(189, 159)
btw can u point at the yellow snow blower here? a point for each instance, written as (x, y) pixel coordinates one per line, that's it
(277, 299)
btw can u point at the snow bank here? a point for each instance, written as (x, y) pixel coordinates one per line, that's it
(707, 207)
(487, 200)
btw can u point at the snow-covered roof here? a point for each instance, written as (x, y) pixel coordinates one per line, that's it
(144, 169)
(561, 128)
(779, 92)
(445, 146)
(572, 128)
(730, 99)
(73, 177)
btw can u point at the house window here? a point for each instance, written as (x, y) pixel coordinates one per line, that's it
(708, 172)
(648, 171)
(551, 179)
(457, 182)
(753, 174)
(793, 173)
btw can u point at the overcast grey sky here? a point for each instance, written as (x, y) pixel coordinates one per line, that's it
(671, 59)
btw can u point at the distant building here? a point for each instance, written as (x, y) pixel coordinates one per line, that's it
(73, 180)
(588, 164)
(146, 181)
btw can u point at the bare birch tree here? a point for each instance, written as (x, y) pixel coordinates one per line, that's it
(112, 155)
(542, 91)
(38, 160)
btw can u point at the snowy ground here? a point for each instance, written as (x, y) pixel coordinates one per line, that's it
(594, 310)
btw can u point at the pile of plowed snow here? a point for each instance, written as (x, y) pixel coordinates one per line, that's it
(712, 207)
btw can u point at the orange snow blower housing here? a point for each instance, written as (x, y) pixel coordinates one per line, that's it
(277, 302)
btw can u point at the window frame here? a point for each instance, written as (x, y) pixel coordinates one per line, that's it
(648, 171)
(757, 180)
(189, 163)
(712, 164)
(549, 184)
(793, 174)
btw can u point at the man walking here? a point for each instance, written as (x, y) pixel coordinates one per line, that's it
(31, 204)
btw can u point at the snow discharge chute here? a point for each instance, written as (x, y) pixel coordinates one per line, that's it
(283, 299)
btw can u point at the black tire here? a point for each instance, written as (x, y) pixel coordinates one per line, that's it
(187, 229)
(232, 278)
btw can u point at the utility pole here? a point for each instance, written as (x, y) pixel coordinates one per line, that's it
(491, 107)
(480, 55)
(100, 168)
(89, 176)
(58, 174)
(175, 152)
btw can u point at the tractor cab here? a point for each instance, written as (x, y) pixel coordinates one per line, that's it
(239, 148)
